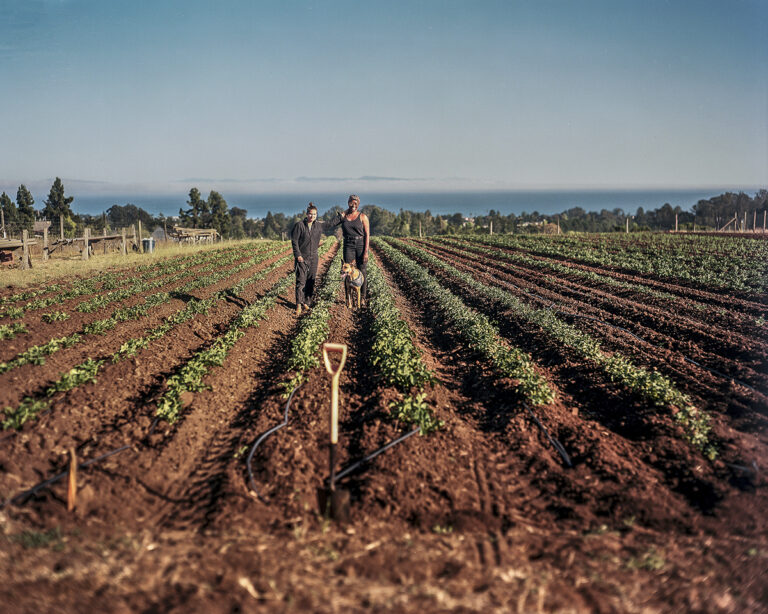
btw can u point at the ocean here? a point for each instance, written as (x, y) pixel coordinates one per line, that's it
(468, 203)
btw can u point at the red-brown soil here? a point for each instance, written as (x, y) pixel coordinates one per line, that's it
(482, 516)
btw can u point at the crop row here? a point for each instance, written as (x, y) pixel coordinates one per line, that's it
(651, 386)
(476, 329)
(731, 272)
(110, 281)
(189, 378)
(313, 330)
(86, 372)
(396, 357)
(156, 278)
(36, 354)
(556, 267)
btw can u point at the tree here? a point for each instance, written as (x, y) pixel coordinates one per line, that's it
(238, 217)
(26, 212)
(9, 211)
(57, 205)
(218, 217)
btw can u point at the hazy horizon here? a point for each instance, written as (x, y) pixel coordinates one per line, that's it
(348, 96)
(466, 202)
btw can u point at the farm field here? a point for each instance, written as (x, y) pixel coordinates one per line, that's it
(591, 414)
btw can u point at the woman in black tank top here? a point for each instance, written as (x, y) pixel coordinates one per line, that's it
(356, 232)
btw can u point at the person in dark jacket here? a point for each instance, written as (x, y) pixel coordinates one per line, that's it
(305, 240)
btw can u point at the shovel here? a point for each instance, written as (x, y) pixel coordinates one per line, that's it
(334, 502)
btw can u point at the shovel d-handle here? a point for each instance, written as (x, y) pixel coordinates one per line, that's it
(334, 348)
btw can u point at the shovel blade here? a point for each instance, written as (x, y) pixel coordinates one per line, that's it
(334, 504)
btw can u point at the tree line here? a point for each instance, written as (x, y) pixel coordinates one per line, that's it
(233, 222)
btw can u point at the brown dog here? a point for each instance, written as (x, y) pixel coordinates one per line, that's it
(353, 280)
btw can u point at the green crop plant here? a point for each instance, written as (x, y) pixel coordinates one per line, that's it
(313, 330)
(478, 332)
(55, 316)
(86, 372)
(396, 357)
(36, 354)
(9, 331)
(651, 386)
(76, 376)
(190, 376)
(414, 409)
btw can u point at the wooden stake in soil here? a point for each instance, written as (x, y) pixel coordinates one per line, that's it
(72, 486)
(141, 241)
(61, 227)
(45, 243)
(122, 242)
(86, 238)
(26, 263)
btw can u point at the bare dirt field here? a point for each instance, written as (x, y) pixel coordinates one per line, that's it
(483, 515)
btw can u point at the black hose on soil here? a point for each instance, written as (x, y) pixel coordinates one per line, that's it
(23, 497)
(258, 442)
(350, 468)
(555, 443)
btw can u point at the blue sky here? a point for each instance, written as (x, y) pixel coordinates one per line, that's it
(349, 96)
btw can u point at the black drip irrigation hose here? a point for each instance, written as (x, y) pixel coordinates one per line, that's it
(555, 443)
(366, 459)
(259, 441)
(23, 497)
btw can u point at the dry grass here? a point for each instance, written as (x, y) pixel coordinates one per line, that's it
(74, 266)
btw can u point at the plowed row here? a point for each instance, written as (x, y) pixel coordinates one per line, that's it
(482, 515)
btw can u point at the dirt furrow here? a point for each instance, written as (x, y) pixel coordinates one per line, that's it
(27, 379)
(726, 300)
(738, 350)
(41, 331)
(713, 388)
(645, 435)
(96, 416)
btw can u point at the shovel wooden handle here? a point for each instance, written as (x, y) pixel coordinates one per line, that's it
(335, 374)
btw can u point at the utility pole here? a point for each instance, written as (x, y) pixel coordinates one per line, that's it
(2, 223)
